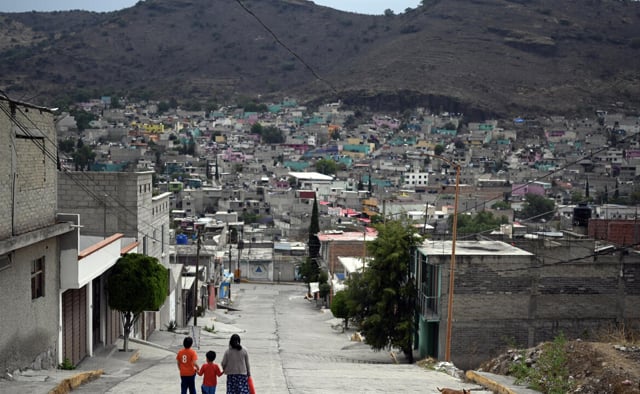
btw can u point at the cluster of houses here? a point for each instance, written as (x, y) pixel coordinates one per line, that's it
(198, 189)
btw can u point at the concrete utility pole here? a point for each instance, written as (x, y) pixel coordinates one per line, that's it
(195, 293)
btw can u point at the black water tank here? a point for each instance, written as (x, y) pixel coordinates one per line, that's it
(581, 215)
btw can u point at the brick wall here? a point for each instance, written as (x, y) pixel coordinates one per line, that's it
(620, 232)
(339, 248)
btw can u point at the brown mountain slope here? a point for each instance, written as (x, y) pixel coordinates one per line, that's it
(485, 56)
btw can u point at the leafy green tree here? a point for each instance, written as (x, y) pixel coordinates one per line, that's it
(481, 222)
(339, 307)
(324, 288)
(83, 157)
(82, 118)
(269, 134)
(359, 299)
(136, 283)
(326, 166)
(576, 197)
(309, 271)
(67, 146)
(314, 229)
(388, 12)
(272, 135)
(388, 316)
(438, 149)
(537, 207)
(256, 128)
(501, 205)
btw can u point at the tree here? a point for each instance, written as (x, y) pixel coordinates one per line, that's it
(481, 222)
(83, 156)
(388, 12)
(67, 146)
(314, 229)
(537, 207)
(339, 307)
(324, 288)
(82, 118)
(256, 128)
(438, 149)
(358, 297)
(309, 271)
(136, 283)
(326, 166)
(388, 317)
(272, 135)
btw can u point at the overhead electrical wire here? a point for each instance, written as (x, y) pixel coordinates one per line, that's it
(53, 157)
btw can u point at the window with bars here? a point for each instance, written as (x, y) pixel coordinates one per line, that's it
(37, 278)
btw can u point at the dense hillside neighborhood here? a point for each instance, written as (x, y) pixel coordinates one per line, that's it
(545, 236)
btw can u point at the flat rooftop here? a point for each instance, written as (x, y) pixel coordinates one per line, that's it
(472, 248)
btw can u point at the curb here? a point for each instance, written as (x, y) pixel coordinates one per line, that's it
(69, 384)
(488, 383)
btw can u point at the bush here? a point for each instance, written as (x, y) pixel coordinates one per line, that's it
(67, 365)
(549, 373)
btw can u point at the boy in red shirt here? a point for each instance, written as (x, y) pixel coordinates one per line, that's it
(211, 372)
(188, 367)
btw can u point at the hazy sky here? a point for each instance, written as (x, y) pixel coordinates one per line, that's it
(360, 6)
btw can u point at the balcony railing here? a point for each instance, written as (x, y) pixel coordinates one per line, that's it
(429, 306)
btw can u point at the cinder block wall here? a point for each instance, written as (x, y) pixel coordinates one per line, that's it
(501, 301)
(121, 200)
(28, 185)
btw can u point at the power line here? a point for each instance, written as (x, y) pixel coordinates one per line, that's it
(282, 44)
(53, 157)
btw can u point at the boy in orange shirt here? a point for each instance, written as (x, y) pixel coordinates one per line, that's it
(188, 367)
(211, 372)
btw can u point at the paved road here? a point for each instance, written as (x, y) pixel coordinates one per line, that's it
(292, 346)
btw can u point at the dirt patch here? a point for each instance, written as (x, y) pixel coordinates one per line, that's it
(595, 367)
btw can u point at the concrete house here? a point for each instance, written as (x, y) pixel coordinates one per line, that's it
(507, 294)
(120, 202)
(31, 238)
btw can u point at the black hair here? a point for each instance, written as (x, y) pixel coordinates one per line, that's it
(234, 342)
(187, 342)
(211, 355)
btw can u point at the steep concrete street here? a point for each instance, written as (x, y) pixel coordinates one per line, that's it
(294, 347)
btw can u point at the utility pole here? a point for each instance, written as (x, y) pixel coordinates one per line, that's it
(195, 293)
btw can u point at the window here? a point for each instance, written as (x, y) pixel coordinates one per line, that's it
(37, 278)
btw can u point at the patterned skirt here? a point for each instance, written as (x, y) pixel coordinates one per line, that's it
(237, 384)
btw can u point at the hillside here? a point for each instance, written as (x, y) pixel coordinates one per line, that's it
(476, 56)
